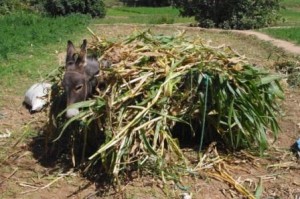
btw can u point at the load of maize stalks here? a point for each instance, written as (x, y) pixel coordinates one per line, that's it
(156, 82)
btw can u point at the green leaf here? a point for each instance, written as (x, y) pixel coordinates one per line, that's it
(75, 118)
(259, 190)
(145, 140)
(269, 79)
(78, 105)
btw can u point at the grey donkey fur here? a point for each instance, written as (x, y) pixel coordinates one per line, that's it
(79, 81)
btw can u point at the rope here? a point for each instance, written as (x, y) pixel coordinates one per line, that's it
(204, 111)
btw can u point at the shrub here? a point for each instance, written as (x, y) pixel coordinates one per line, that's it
(236, 14)
(7, 6)
(95, 8)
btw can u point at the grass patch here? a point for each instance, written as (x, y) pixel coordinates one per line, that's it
(291, 34)
(143, 15)
(121, 11)
(29, 42)
(291, 3)
(22, 31)
(112, 3)
(291, 15)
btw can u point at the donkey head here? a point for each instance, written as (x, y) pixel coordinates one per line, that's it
(79, 80)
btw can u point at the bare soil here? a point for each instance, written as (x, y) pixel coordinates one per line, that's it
(285, 45)
(25, 175)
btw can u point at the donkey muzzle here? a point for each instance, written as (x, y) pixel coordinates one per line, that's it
(71, 112)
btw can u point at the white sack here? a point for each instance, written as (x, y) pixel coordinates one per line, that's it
(35, 96)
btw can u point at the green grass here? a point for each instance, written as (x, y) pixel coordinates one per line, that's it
(143, 15)
(291, 17)
(129, 11)
(22, 31)
(290, 13)
(29, 42)
(291, 3)
(291, 34)
(291, 24)
(112, 3)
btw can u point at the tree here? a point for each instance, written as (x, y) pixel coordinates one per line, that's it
(95, 8)
(231, 14)
(7, 6)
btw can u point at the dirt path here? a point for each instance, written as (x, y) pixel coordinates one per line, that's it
(285, 45)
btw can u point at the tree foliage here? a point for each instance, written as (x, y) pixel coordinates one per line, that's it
(7, 6)
(95, 8)
(231, 14)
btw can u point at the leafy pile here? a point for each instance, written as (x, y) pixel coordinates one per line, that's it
(155, 82)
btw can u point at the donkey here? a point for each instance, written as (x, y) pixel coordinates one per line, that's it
(79, 81)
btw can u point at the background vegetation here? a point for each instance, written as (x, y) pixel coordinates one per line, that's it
(289, 28)
(231, 14)
(290, 33)
(26, 33)
(29, 42)
(95, 8)
(144, 15)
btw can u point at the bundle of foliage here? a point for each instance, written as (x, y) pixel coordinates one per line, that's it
(157, 82)
(231, 14)
(95, 8)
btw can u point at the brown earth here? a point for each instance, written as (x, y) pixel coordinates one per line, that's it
(285, 45)
(24, 175)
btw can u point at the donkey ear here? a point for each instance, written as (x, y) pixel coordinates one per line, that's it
(84, 45)
(70, 52)
(81, 60)
(83, 49)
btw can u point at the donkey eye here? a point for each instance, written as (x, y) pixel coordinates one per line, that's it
(78, 87)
